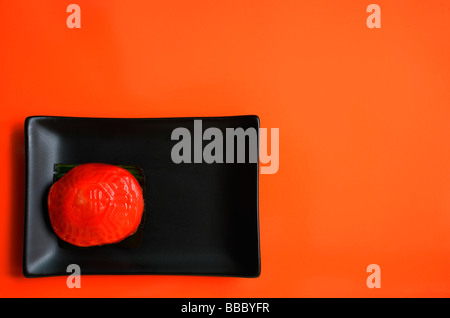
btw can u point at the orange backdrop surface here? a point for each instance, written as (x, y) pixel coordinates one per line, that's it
(364, 119)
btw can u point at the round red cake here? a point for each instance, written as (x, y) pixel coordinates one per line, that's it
(95, 204)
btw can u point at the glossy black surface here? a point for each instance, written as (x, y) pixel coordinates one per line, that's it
(201, 219)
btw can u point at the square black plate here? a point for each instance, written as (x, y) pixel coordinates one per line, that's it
(201, 219)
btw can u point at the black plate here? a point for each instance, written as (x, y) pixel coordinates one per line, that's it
(201, 219)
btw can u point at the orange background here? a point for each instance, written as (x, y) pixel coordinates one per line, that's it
(364, 119)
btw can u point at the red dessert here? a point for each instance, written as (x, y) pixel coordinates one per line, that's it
(95, 204)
